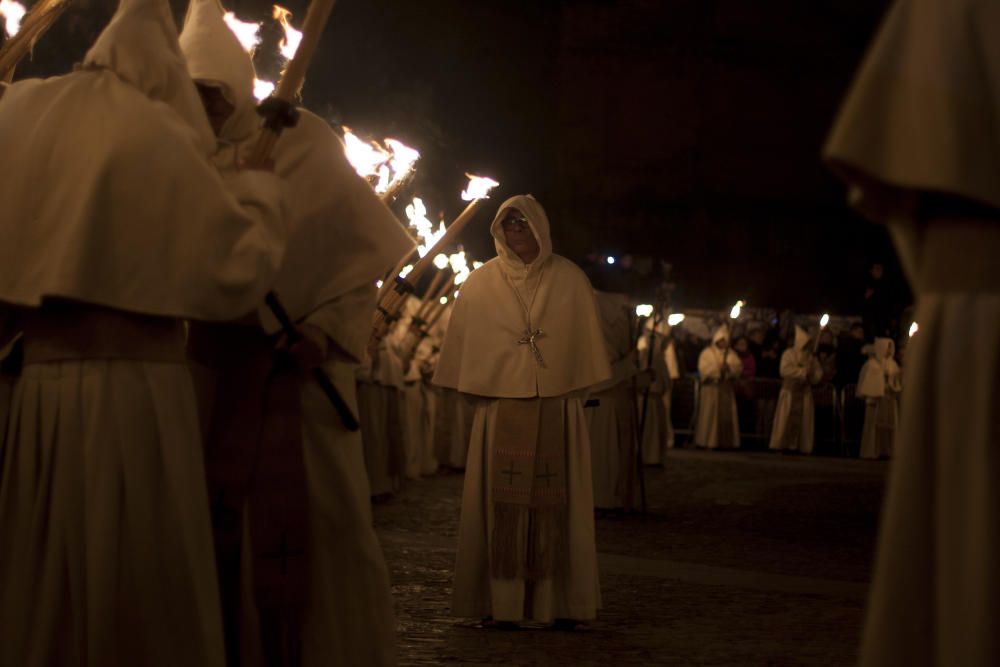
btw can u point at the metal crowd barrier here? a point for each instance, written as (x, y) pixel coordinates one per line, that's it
(839, 416)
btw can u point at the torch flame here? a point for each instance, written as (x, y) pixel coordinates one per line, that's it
(644, 310)
(479, 187)
(406, 271)
(403, 161)
(476, 265)
(12, 12)
(675, 318)
(914, 329)
(416, 213)
(443, 300)
(441, 261)
(262, 89)
(737, 309)
(366, 157)
(247, 33)
(823, 321)
(290, 44)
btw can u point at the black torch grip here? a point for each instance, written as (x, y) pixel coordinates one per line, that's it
(324, 382)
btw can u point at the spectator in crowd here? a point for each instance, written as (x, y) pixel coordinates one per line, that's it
(742, 349)
(826, 354)
(770, 356)
(850, 358)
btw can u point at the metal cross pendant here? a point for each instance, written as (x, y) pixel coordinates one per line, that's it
(529, 339)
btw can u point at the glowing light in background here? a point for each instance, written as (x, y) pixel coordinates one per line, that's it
(914, 328)
(737, 309)
(611, 260)
(644, 310)
(675, 318)
(823, 321)
(406, 271)
(441, 261)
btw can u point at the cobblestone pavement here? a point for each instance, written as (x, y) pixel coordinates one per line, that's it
(744, 559)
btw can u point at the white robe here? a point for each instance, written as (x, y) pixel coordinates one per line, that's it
(574, 592)
(916, 120)
(800, 367)
(657, 431)
(710, 367)
(481, 355)
(880, 384)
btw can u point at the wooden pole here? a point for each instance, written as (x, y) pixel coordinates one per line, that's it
(293, 76)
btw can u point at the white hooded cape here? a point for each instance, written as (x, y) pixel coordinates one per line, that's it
(481, 354)
(710, 366)
(109, 197)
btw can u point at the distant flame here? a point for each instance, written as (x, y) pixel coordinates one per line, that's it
(737, 309)
(12, 12)
(366, 157)
(476, 265)
(644, 310)
(406, 271)
(823, 321)
(479, 187)
(262, 89)
(247, 33)
(378, 284)
(416, 213)
(675, 318)
(441, 261)
(444, 300)
(290, 44)
(914, 328)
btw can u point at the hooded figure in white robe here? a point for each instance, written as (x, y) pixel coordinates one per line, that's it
(526, 340)
(318, 574)
(916, 142)
(717, 425)
(612, 422)
(794, 418)
(880, 384)
(116, 228)
(657, 432)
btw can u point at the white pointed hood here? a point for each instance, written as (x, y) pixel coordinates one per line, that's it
(215, 57)
(140, 46)
(722, 333)
(802, 339)
(539, 223)
(885, 348)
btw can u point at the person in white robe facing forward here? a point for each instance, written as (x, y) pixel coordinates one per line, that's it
(117, 227)
(279, 456)
(717, 426)
(916, 143)
(794, 418)
(525, 339)
(880, 384)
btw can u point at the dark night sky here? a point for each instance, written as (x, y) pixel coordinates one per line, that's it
(682, 130)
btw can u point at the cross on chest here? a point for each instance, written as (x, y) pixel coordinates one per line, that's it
(529, 339)
(547, 476)
(511, 474)
(283, 553)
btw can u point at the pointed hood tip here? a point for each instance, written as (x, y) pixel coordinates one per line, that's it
(215, 56)
(140, 45)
